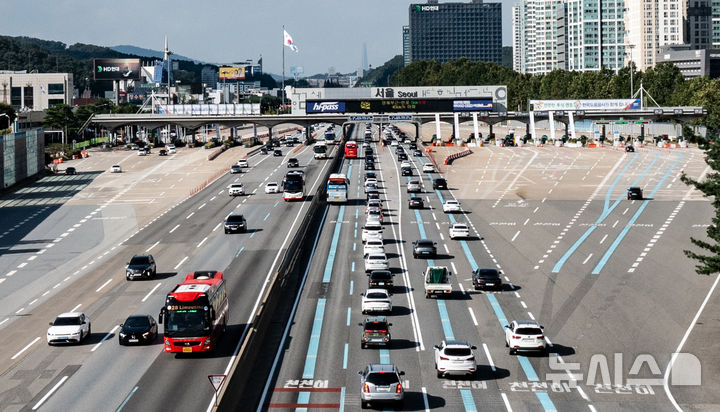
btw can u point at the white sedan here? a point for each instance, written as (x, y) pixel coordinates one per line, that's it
(428, 168)
(115, 169)
(372, 233)
(242, 163)
(451, 206)
(236, 189)
(376, 300)
(376, 261)
(68, 327)
(373, 246)
(272, 187)
(459, 230)
(454, 358)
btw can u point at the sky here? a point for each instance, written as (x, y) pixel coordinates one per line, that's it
(328, 33)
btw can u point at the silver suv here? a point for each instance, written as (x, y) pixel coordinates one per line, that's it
(381, 383)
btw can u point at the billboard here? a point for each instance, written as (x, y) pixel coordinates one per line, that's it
(589, 104)
(472, 105)
(232, 73)
(117, 69)
(398, 106)
(325, 107)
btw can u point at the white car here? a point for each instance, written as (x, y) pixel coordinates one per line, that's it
(236, 189)
(407, 141)
(115, 169)
(451, 206)
(454, 358)
(373, 246)
(141, 152)
(459, 230)
(272, 187)
(371, 187)
(524, 336)
(414, 186)
(373, 214)
(394, 143)
(242, 163)
(171, 149)
(428, 168)
(376, 300)
(405, 164)
(68, 327)
(374, 203)
(371, 180)
(376, 261)
(372, 232)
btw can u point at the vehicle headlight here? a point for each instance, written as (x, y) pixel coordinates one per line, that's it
(122, 335)
(146, 334)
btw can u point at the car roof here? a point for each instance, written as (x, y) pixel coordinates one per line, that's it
(376, 319)
(272, 183)
(142, 255)
(377, 290)
(235, 215)
(70, 314)
(381, 367)
(235, 184)
(527, 323)
(457, 344)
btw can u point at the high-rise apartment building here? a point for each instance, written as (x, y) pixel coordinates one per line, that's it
(595, 34)
(406, 45)
(539, 30)
(698, 29)
(450, 31)
(650, 25)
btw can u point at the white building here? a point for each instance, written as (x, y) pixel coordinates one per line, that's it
(595, 34)
(650, 25)
(35, 91)
(538, 34)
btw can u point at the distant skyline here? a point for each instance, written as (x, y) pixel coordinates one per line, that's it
(328, 33)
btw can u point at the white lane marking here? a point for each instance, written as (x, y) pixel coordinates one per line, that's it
(531, 315)
(4, 320)
(31, 258)
(25, 348)
(32, 301)
(76, 307)
(19, 310)
(615, 224)
(442, 237)
(105, 338)
(151, 292)
(50, 392)
(522, 302)
(462, 289)
(217, 226)
(582, 393)
(472, 315)
(150, 248)
(516, 235)
(202, 206)
(453, 267)
(506, 401)
(173, 229)
(213, 198)
(22, 265)
(188, 216)
(202, 241)
(446, 248)
(587, 258)
(682, 343)
(434, 217)
(103, 285)
(603, 239)
(526, 221)
(490, 361)
(181, 262)
(10, 273)
(536, 209)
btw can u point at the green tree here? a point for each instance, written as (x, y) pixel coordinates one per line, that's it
(708, 263)
(6, 120)
(60, 117)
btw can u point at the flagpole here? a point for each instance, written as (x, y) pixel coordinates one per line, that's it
(283, 70)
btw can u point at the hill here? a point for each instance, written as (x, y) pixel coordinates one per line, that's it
(140, 51)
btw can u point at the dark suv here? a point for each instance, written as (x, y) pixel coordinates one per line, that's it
(440, 183)
(634, 193)
(486, 279)
(293, 162)
(235, 223)
(140, 266)
(381, 383)
(376, 331)
(380, 279)
(406, 171)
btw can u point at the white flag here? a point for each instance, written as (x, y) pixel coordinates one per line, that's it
(288, 41)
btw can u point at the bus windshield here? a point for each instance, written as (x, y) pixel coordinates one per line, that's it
(186, 323)
(293, 184)
(320, 149)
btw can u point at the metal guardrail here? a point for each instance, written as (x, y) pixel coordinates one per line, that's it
(252, 368)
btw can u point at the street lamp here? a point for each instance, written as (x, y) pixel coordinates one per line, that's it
(631, 67)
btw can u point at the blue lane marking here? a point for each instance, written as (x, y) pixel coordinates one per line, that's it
(356, 223)
(384, 356)
(122, 405)
(617, 179)
(351, 286)
(445, 319)
(345, 357)
(239, 251)
(606, 212)
(354, 232)
(349, 174)
(276, 203)
(468, 254)
(348, 317)
(267, 216)
(420, 224)
(356, 213)
(467, 399)
(303, 399)
(309, 370)
(354, 246)
(342, 400)
(253, 234)
(352, 267)
(545, 401)
(333, 246)
(442, 200)
(627, 227)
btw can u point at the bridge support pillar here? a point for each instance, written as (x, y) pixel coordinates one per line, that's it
(490, 128)
(642, 132)
(602, 133)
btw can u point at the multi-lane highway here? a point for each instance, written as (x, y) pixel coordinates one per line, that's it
(604, 275)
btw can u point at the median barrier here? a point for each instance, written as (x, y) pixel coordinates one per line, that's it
(251, 369)
(452, 157)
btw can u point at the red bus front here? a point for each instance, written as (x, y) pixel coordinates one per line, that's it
(350, 150)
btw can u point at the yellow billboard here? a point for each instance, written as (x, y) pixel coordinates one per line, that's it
(232, 73)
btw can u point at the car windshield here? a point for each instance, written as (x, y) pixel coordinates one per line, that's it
(137, 321)
(376, 326)
(424, 242)
(67, 321)
(236, 186)
(382, 379)
(186, 323)
(140, 260)
(458, 351)
(381, 275)
(235, 218)
(488, 273)
(273, 184)
(376, 295)
(528, 331)
(376, 257)
(460, 227)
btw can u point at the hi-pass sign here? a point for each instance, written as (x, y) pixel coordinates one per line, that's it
(116, 69)
(399, 106)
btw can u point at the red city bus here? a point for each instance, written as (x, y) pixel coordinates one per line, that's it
(195, 313)
(351, 149)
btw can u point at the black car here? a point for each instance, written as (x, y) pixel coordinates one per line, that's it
(399, 150)
(486, 278)
(370, 175)
(70, 171)
(415, 203)
(440, 183)
(235, 223)
(629, 148)
(141, 266)
(373, 196)
(406, 171)
(382, 279)
(277, 152)
(376, 331)
(368, 150)
(162, 152)
(369, 166)
(289, 142)
(424, 248)
(634, 193)
(402, 156)
(264, 150)
(417, 153)
(138, 329)
(293, 162)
